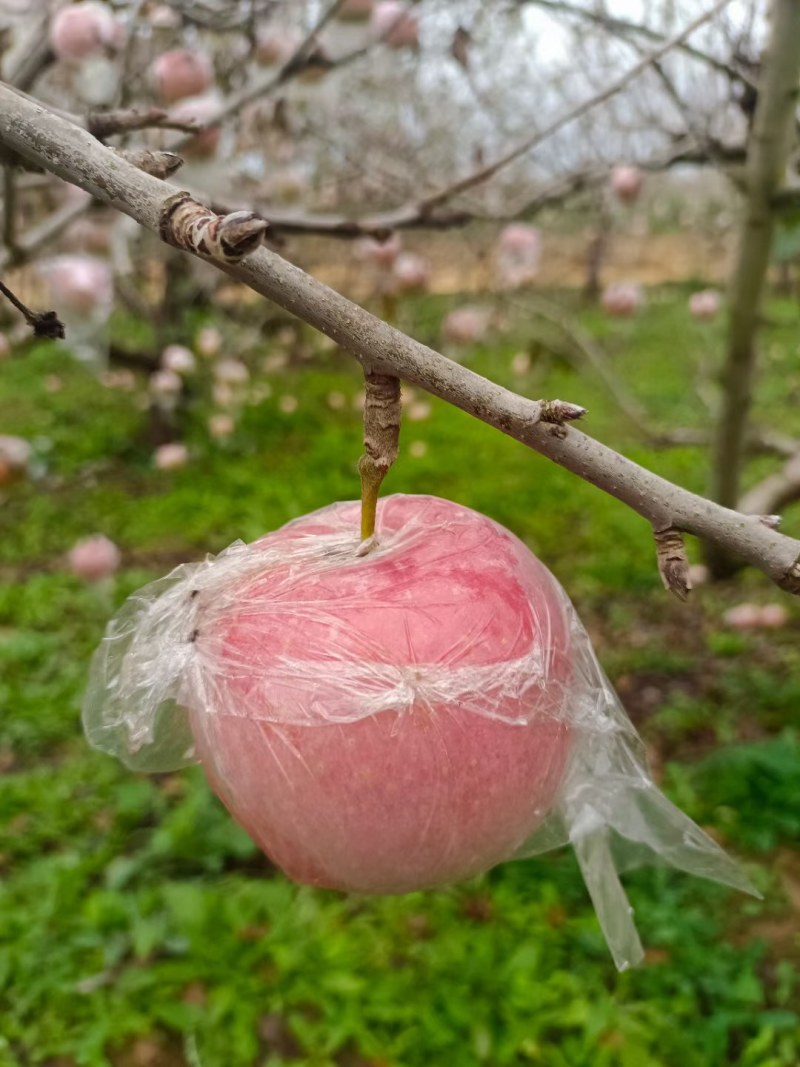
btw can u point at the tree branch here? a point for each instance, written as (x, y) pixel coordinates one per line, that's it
(483, 174)
(75, 156)
(626, 28)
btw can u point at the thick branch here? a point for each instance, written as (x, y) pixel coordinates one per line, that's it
(773, 126)
(75, 156)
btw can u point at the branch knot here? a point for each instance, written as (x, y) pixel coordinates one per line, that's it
(193, 227)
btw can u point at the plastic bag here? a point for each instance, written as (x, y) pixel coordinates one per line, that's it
(394, 720)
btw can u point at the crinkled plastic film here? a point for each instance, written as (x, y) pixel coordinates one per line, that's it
(253, 649)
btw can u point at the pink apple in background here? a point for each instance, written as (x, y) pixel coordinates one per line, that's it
(276, 45)
(83, 30)
(221, 426)
(90, 235)
(346, 730)
(699, 574)
(518, 253)
(80, 283)
(411, 272)
(355, 9)
(179, 359)
(626, 183)
(208, 342)
(395, 24)
(165, 384)
(743, 617)
(774, 616)
(705, 305)
(179, 73)
(622, 299)
(163, 17)
(231, 372)
(380, 253)
(171, 457)
(201, 110)
(94, 558)
(15, 455)
(465, 325)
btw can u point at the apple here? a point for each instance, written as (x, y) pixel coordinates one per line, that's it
(395, 24)
(626, 183)
(622, 299)
(381, 253)
(385, 722)
(94, 558)
(518, 254)
(201, 110)
(465, 325)
(15, 456)
(82, 30)
(179, 73)
(277, 45)
(411, 273)
(171, 456)
(705, 304)
(80, 284)
(178, 359)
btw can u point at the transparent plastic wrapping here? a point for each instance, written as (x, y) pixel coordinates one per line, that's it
(395, 720)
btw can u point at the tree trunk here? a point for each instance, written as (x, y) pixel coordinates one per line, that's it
(767, 155)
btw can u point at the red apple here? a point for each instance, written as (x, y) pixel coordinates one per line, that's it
(83, 29)
(386, 722)
(622, 299)
(466, 325)
(94, 558)
(180, 73)
(626, 183)
(705, 304)
(395, 24)
(518, 254)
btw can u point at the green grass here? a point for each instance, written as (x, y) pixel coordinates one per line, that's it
(139, 926)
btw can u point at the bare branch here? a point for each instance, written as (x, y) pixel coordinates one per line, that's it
(775, 492)
(45, 324)
(483, 174)
(626, 28)
(103, 124)
(75, 156)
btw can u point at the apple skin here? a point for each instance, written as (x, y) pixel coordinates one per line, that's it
(431, 789)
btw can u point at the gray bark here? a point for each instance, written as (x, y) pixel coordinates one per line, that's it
(768, 151)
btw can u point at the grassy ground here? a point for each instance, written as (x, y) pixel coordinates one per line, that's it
(140, 928)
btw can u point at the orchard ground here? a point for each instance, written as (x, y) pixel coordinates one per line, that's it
(140, 928)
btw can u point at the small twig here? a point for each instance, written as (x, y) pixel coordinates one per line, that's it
(381, 436)
(103, 124)
(44, 323)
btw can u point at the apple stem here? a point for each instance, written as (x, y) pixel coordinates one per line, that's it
(381, 435)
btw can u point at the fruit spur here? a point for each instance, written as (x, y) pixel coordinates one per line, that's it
(392, 720)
